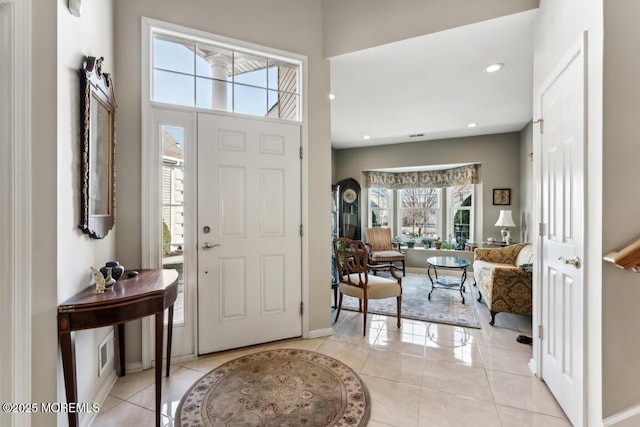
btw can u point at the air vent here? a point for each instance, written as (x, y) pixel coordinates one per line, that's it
(416, 135)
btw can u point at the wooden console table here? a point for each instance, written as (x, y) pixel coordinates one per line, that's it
(149, 293)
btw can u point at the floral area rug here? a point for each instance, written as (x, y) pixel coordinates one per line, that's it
(284, 387)
(445, 305)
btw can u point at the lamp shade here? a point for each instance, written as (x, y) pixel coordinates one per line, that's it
(505, 219)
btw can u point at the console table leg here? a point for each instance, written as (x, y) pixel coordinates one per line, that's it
(159, 333)
(67, 349)
(169, 337)
(121, 348)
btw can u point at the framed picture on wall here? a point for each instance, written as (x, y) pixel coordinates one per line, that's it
(501, 196)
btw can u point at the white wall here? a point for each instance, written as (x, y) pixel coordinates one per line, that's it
(91, 34)
(353, 25)
(61, 253)
(560, 26)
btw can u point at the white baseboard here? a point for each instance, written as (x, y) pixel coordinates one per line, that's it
(317, 333)
(133, 367)
(103, 393)
(628, 417)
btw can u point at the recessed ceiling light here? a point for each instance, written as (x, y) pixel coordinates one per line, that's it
(472, 125)
(332, 96)
(494, 67)
(366, 137)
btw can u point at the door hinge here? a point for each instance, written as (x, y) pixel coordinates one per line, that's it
(540, 334)
(541, 122)
(301, 308)
(542, 229)
(300, 152)
(301, 230)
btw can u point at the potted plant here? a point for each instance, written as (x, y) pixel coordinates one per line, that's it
(411, 243)
(426, 242)
(437, 242)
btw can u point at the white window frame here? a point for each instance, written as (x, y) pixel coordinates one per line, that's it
(440, 215)
(451, 208)
(390, 208)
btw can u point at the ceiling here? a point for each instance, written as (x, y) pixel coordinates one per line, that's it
(435, 85)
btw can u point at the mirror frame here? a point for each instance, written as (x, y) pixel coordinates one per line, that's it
(98, 86)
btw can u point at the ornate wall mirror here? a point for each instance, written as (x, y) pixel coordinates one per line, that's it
(98, 192)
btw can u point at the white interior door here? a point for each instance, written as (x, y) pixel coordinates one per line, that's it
(562, 103)
(249, 243)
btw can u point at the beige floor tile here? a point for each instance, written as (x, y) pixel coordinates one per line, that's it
(393, 403)
(496, 337)
(445, 409)
(109, 403)
(522, 392)
(466, 354)
(503, 360)
(394, 366)
(173, 388)
(132, 383)
(401, 341)
(353, 355)
(126, 414)
(457, 379)
(374, 423)
(438, 333)
(513, 417)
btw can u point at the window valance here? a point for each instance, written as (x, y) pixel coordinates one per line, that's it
(435, 179)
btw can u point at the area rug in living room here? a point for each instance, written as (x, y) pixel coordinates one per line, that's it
(284, 387)
(445, 305)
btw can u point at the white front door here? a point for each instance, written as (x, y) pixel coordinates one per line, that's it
(249, 243)
(562, 104)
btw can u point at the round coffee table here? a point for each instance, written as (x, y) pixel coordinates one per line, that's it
(447, 262)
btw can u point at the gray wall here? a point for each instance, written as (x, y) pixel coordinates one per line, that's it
(620, 205)
(498, 155)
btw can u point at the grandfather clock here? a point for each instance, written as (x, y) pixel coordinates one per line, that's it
(349, 211)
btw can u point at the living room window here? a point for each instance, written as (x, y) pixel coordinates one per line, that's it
(193, 73)
(461, 213)
(380, 207)
(419, 212)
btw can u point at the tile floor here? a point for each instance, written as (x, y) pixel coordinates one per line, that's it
(423, 374)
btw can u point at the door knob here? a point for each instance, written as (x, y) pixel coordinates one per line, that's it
(575, 261)
(207, 245)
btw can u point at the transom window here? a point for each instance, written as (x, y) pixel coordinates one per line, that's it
(204, 75)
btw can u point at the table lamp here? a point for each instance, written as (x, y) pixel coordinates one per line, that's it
(505, 220)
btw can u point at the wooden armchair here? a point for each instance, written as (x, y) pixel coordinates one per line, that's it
(381, 249)
(353, 272)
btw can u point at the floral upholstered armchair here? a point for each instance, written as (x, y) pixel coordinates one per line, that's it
(505, 286)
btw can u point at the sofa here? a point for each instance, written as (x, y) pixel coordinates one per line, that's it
(503, 277)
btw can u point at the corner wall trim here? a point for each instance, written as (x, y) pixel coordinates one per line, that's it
(15, 215)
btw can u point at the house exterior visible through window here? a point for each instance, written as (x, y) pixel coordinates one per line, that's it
(380, 207)
(204, 75)
(419, 212)
(462, 212)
